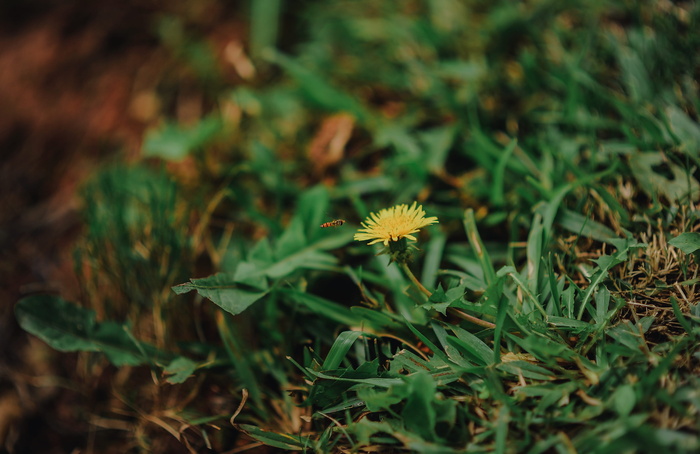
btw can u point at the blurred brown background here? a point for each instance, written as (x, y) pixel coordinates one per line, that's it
(80, 82)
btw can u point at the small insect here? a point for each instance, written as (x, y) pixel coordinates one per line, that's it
(334, 223)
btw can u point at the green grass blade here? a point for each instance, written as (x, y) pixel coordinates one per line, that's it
(478, 246)
(340, 348)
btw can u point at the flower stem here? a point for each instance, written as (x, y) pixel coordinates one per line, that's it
(413, 279)
(453, 311)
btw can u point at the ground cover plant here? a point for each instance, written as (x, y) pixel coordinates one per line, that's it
(515, 262)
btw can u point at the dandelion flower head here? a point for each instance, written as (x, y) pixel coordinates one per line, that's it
(394, 224)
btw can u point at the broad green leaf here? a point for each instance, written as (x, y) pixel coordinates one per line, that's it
(67, 327)
(174, 142)
(381, 399)
(687, 242)
(676, 186)
(308, 258)
(261, 253)
(248, 274)
(291, 253)
(223, 291)
(312, 211)
(292, 239)
(456, 292)
(438, 301)
(179, 369)
(366, 430)
(371, 432)
(407, 361)
(687, 130)
(623, 400)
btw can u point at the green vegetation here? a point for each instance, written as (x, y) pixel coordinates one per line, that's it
(556, 142)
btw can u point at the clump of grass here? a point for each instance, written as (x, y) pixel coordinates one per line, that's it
(136, 245)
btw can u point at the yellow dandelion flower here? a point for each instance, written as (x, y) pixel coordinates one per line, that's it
(394, 224)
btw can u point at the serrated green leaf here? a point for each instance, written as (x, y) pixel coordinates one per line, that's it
(365, 429)
(380, 399)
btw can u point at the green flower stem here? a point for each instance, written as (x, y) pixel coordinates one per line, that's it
(413, 279)
(453, 311)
